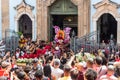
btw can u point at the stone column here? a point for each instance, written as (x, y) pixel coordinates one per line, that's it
(42, 17)
(80, 19)
(87, 16)
(46, 32)
(95, 28)
(44, 23)
(16, 24)
(5, 16)
(118, 31)
(83, 17)
(94, 24)
(33, 30)
(39, 18)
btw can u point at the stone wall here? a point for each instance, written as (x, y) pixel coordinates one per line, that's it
(5, 16)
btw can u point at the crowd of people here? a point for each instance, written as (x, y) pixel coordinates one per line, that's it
(56, 61)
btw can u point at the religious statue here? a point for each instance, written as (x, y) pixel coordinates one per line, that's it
(22, 41)
(62, 36)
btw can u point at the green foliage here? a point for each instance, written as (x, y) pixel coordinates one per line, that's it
(86, 56)
(19, 33)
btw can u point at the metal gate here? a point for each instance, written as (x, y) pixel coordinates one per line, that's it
(11, 40)
(89, 42)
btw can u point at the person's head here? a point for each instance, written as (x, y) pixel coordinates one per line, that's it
(103, 41)
(110, 70)
(8, 53)
(56, 63)
(117, 71)
(17, 50)
(65, 55)
(60, 34)
(35, 62)
(98, 60)
(49, 59)
(90, 63)
(67, 70)
(104, 61)
(3, 78)
(82, 49)
(13, 57)
(80, 66)
(5, 64)
(27, 69)
(74, 74)
(73, 64)
(90, 74)
(21, 75)
(39, 75)
(47, 70)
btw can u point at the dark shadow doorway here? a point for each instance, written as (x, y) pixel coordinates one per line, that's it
(25, 26)
(107, 26)
(64, 21)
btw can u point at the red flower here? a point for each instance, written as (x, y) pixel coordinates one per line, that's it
(43, 51)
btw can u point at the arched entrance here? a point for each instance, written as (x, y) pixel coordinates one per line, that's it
(107, 26)
(25, 26)
(63, 13)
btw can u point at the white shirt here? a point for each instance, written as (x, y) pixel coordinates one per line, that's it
(57, 72)
(101, 71)
(105, 77)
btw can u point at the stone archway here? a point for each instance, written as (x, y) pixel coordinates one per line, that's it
(25, 26)
(25, 9)
(43, 17)
(107, 6)
(107, 26)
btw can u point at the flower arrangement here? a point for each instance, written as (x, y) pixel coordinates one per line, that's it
(62, 34)
(25, 60)
(86, 56)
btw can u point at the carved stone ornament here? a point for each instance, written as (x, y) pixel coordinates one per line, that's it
(23, 4)
(106, 2)
(106, 6)
(50, 2)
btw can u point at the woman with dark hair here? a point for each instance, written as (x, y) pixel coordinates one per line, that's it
(90, 74)
(74, 74)
(47, 72)
(117, 72)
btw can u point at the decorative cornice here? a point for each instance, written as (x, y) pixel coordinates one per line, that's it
(50, 2)
(24, 4)
(106, 2)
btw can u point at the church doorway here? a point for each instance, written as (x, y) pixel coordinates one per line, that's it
(65, 21)
(107, 27)
(63, 13)
(25, 26)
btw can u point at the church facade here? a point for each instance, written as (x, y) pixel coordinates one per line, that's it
(36, 18)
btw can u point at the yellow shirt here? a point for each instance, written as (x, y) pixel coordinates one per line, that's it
(65, 78)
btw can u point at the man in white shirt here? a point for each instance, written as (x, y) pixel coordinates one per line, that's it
(100, 69)
(56, 70)
(110, 74)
